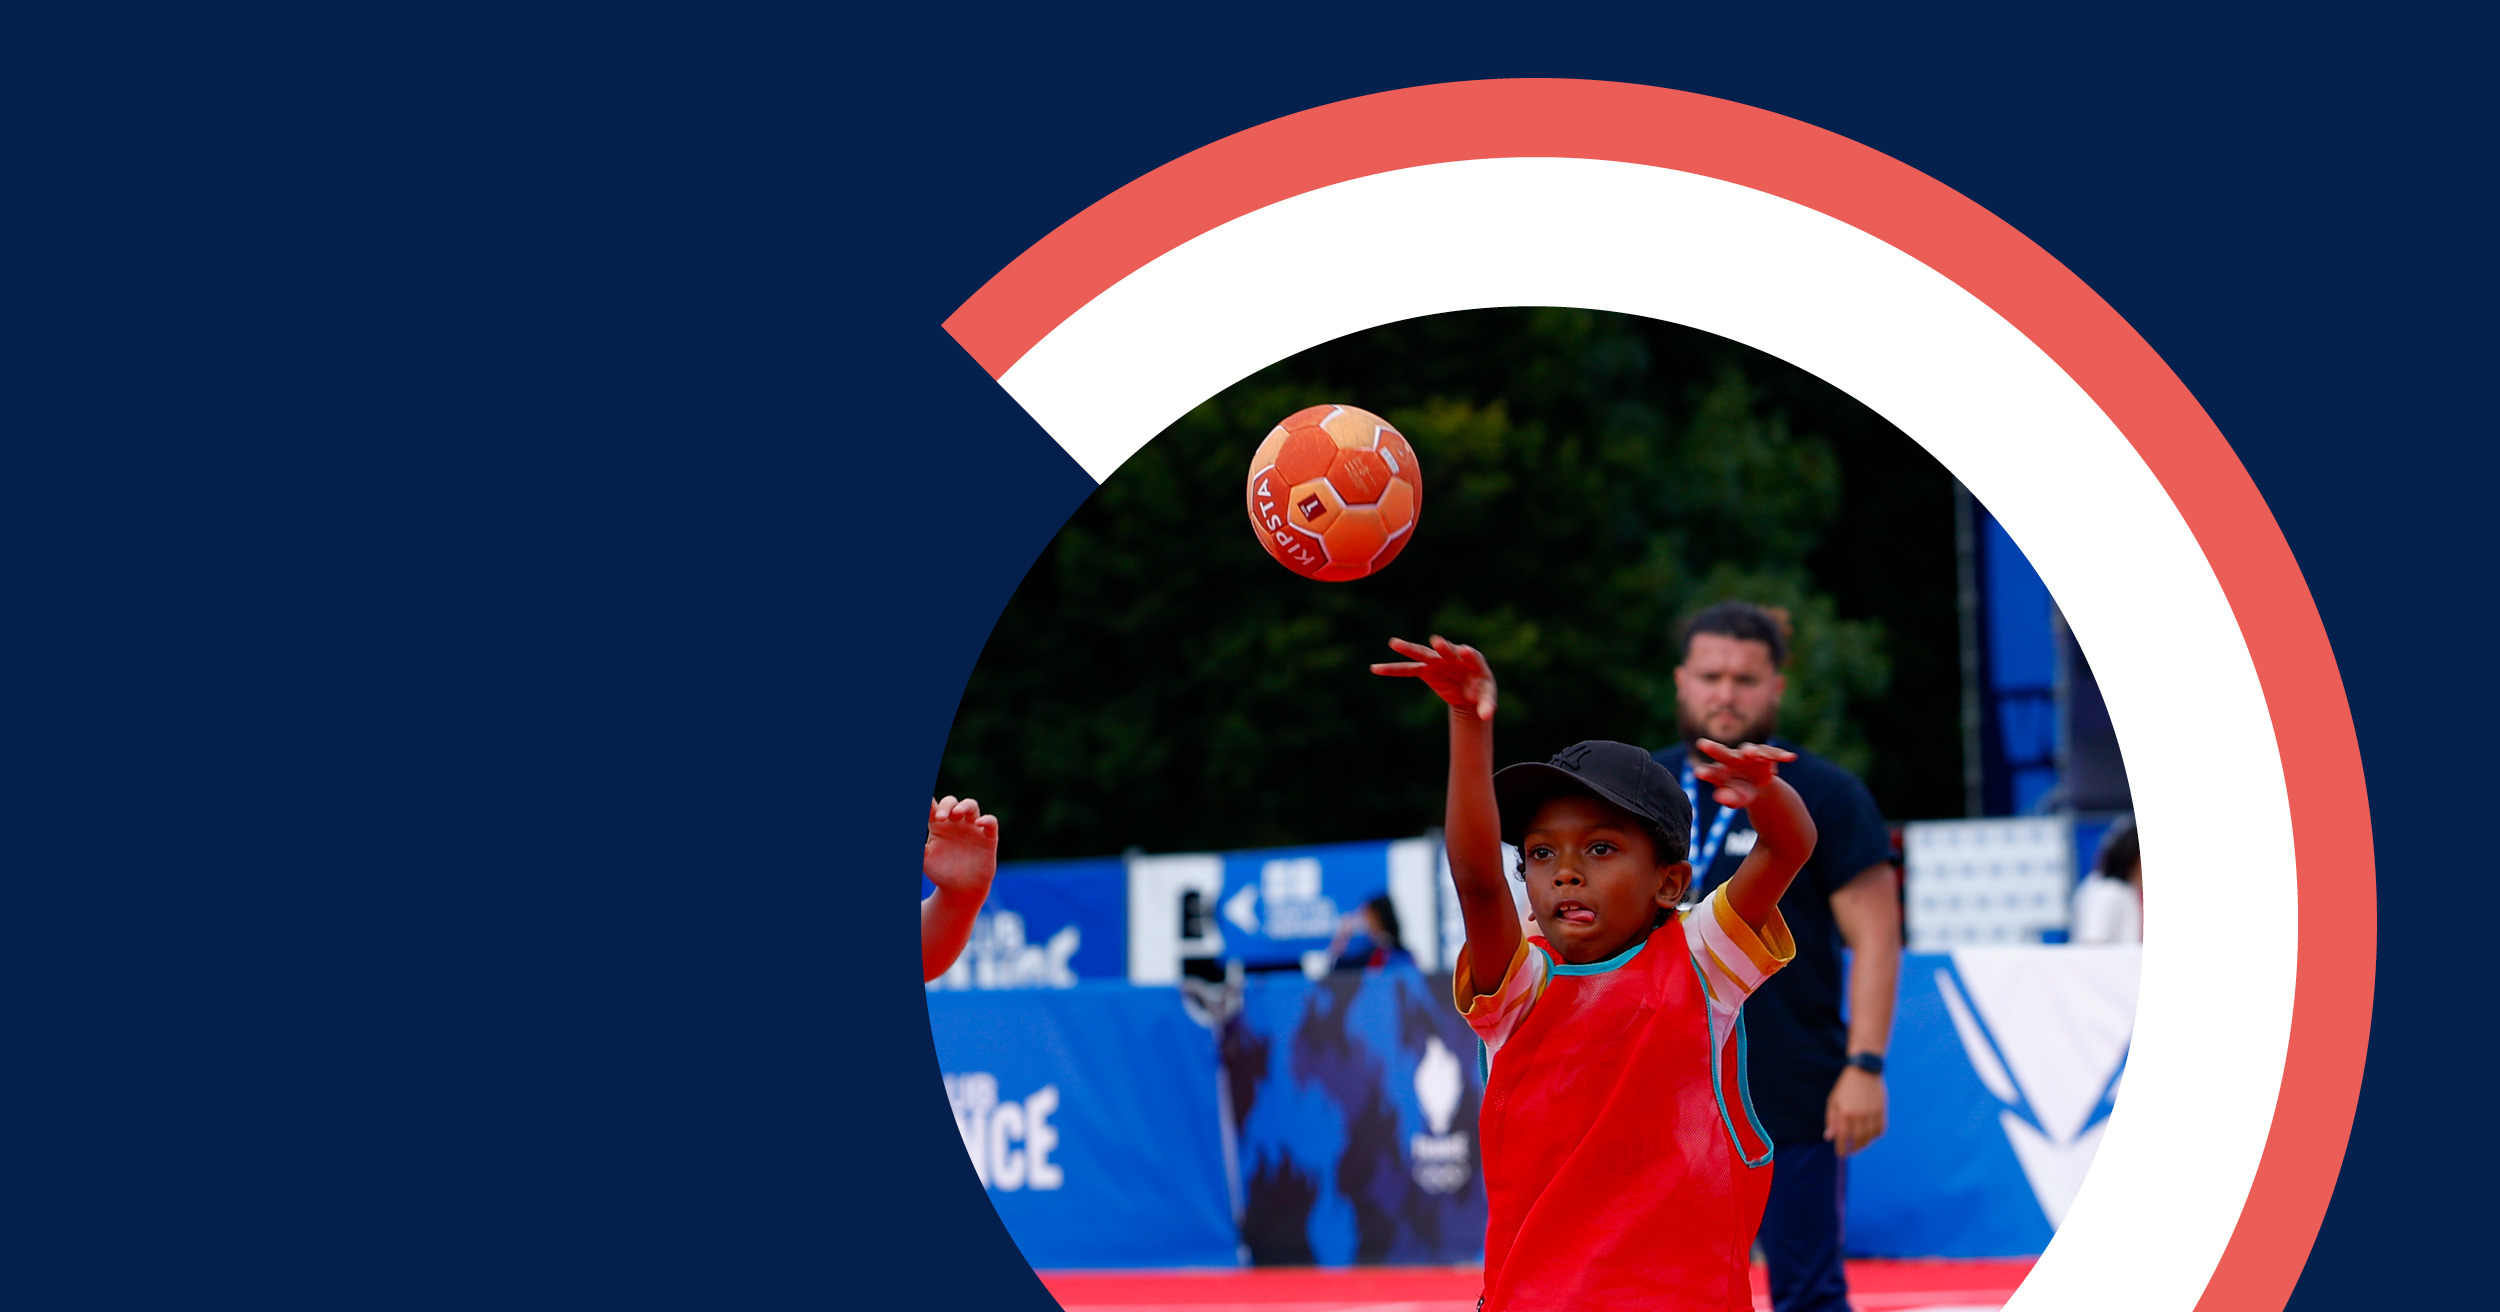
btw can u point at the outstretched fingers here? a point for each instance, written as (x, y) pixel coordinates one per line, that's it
(1739, 772)
(1459, 674)
(1421, 659)
(1743, 754)
(951, 811)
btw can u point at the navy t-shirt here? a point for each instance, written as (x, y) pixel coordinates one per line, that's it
(1795, 1041)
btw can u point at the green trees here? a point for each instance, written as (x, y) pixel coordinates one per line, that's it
(1589, 479)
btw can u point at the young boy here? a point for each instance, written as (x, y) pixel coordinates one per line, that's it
(961, 857)
(1623, 1167)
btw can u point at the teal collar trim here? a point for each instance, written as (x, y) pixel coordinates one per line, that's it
(1601, 967)
(1744, 1089)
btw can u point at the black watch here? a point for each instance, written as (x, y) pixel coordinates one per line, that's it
(1870, 1062)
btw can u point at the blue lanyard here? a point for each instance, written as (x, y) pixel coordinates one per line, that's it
(1708, 856)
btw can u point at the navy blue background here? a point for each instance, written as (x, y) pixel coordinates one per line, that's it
(495, 537)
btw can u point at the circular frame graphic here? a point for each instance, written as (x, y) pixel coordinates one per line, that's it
(2253, 1023)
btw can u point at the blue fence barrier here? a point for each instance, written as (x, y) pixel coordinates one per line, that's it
(1092, 1116)
(2004, 1064)
(1046, 924)
(1095, 1115)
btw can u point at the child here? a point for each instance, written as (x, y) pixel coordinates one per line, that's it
(960, 857)
(1622, 1164)
(2109, 907)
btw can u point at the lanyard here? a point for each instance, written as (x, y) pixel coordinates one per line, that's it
(1708, 856)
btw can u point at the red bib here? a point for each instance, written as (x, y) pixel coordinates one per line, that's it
(1622, 1162)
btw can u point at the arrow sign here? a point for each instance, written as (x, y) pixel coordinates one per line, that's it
(1242, 908)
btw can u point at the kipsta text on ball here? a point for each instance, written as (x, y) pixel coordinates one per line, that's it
(1334, 493)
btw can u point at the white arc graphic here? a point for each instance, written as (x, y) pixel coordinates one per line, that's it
(1947, 368)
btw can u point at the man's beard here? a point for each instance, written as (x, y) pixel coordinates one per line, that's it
(1759, 731)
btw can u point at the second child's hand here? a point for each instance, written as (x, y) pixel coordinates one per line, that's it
(1459, 674)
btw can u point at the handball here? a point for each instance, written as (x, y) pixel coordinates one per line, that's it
(1334, 492)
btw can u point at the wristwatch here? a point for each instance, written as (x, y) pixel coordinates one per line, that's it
(1870, 1062)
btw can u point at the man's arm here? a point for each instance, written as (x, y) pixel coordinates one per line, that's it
(1869, 915)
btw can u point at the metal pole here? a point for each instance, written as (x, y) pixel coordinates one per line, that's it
(2062, 644)
(1966, 571)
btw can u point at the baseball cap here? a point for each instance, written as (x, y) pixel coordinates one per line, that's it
(1616, 772)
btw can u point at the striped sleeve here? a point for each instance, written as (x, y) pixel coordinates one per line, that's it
(1495, 1016)
(1734, 957)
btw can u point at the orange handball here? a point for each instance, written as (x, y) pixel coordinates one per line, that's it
(1334, 492)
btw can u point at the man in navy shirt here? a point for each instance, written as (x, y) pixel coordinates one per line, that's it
(1817, 1082)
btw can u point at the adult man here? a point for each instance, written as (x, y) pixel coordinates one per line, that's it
(1817, 1083)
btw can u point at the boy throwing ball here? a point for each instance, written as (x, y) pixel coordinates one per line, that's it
(1623, 1167)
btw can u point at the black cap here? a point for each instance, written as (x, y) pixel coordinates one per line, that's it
(1615, 772)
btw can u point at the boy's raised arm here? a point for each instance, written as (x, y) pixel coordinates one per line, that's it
(1748, 776)
(1472, 828)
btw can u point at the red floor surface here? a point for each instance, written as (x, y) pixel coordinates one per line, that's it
(1873, 1287)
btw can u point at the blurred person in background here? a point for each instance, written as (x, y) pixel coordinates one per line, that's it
(1817, 1082)
(960, 858)
(2109, 907)
(1377, 922)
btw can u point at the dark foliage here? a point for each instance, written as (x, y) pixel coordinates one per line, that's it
(1589, 479)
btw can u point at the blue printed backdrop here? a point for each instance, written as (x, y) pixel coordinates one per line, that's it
(1092, 1116)
(1047, 924)
(1356, 1099)
(1942, 1182)
(2003, 1067)
(1279, 903)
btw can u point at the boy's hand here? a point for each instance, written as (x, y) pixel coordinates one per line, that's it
(1458, 673)
(962, 851)
(1740, 772)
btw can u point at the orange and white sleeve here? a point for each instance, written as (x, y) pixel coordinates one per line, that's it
(1495, 1016)
(1734, 957)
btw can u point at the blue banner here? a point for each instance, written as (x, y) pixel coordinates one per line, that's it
(1047, 924)
(1356, 1099)
(1279, 903)
(2004, 1064)
(2018, 657)
(1091, 1114)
